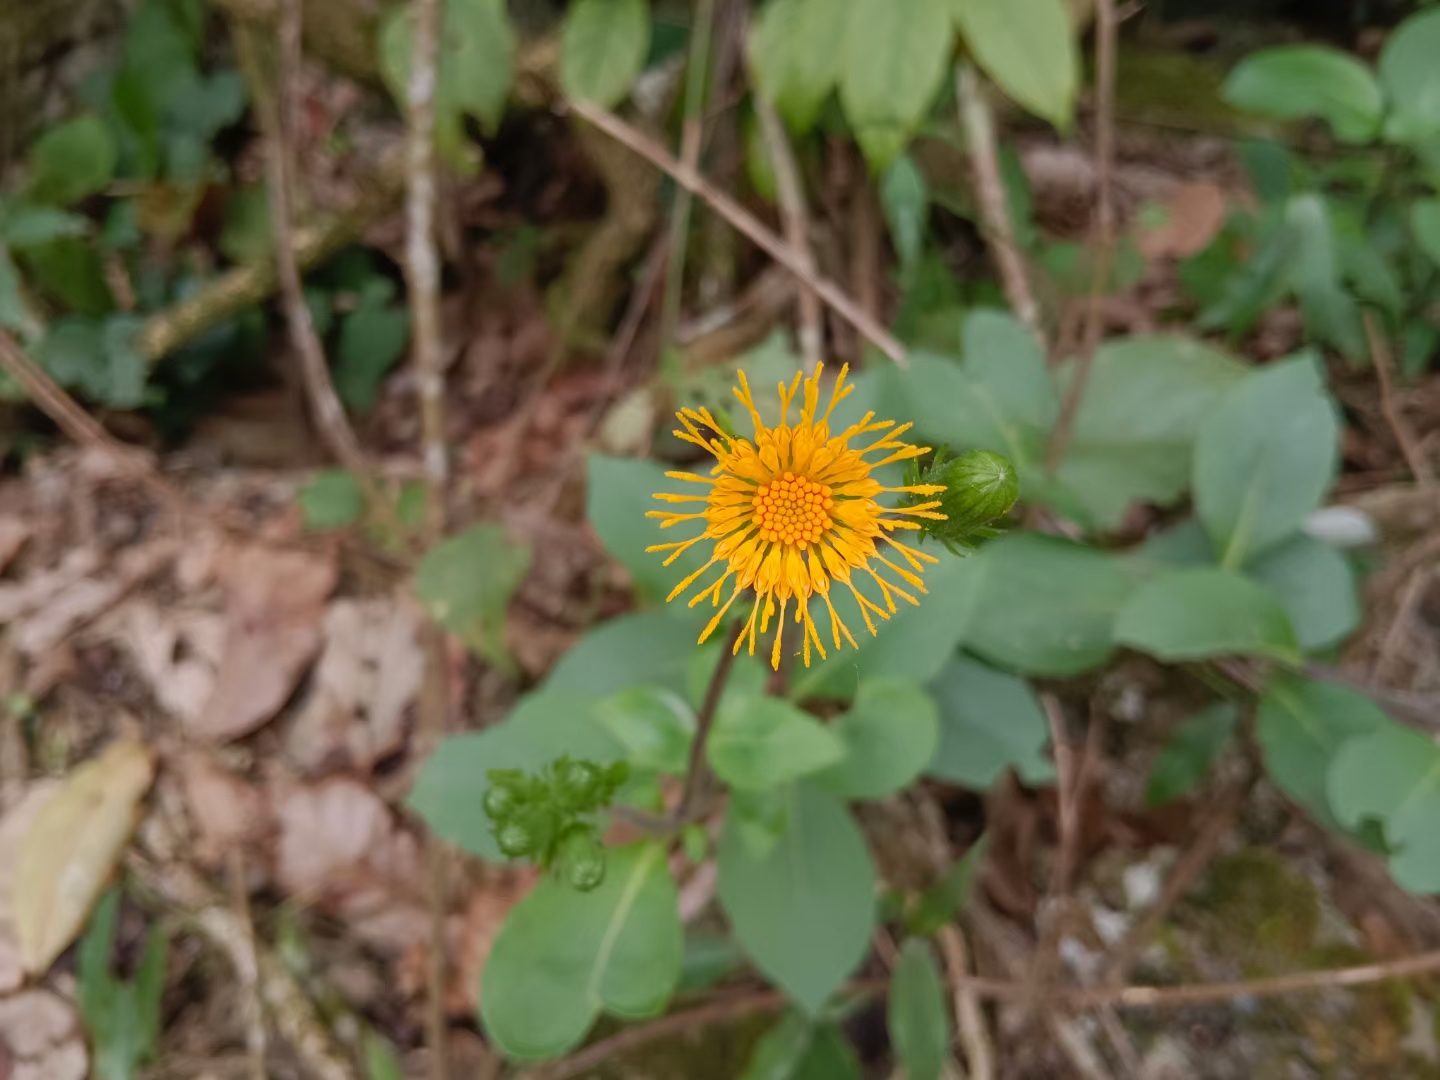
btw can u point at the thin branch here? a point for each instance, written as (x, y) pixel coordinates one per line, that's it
(1384, 361)
(1102, 232)
(979, 123)
(969, 1020)
(422, 274)
(744, 222)
(793, 214)
(692, 139)
(708, 708)
(247, 968)
(270, 110)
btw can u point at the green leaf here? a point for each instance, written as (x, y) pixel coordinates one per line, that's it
(71, 161)
(380, 1060)
(748, 674)
(917, 1014)
(1392, 775)
(602, 49)
(655, 726)
(1136, 425)
(828, 1058)
(1192, 614)
(1314, 273)
(1188, 755)
(1293, 82)
(781, 1049)
(1265, 458)
(477, 60)
(913, 644)
(14, 312)
(1301, 725)
(895, 60)
(1028, 48)
(989, 722)
(372, 339)
(1047, 606)
(906, 199)
(633, 649)
(22, 225)
(796, 50)
(1425, 223)
(70, 271)
(122, 1018)
(1315, 585)
(620, 491)
(939, 904)
(465, 584)
(805, 911)
(564, 956)
(1001, 398)
(889, 734)
(449, 790)
(1411, 79)
(763, 743)
(332, 500)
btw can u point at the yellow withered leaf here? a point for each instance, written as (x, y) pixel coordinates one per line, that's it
(71, 847)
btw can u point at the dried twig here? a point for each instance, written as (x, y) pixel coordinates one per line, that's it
(247, 968)
(979, 122)
(422, 274)
(1383, 359)
(791, 193)
(969, 1020)
(1389, 650)
(271, 107)
(1102, 232)
(745, 222)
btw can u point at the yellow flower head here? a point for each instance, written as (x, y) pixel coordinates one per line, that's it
(794, 511)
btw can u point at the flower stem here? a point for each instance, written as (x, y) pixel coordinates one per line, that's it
(706, 720)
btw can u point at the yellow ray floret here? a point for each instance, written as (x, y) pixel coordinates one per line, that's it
(794, 511)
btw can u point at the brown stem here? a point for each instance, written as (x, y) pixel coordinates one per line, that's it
(1384, 361)
(979, 122)
(744, 222)
(705, 721)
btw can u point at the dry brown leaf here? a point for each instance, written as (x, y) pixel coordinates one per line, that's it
(178, 652)
(1194, 214)
(13, 827)
(14, 531)
(342, 850)
(370, 671)
(274, 604)
(224, 809)
(71, 846)
(41, 1038)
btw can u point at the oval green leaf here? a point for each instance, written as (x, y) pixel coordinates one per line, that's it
(602, 49)
(1196, 613)
(803, 912)
(1411, 78)
(918, 1017)
(1293, 82)
(889, 734)
(655, 726)
(1392, 775)
(796, 48)
(1028, 48)
(564, 956)
(762, 743)
(989, 722)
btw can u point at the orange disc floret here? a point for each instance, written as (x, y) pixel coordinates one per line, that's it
(794, 511)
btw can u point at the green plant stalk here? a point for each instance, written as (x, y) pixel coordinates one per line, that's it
(690, 143)
(705, 721)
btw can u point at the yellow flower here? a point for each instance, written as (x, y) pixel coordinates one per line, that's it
(794, 511)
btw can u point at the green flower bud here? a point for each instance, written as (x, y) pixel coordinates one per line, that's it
(980, 486)
(515, 840)
(500, 801)
(578, 782)
(582, 857)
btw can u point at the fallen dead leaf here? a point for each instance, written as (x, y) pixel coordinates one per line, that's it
(13, 827)
(51, 604)
(71, 846)
(341, 850)
(224, 809)
(41, 1038)
(274, 604)
(1194, 214)
(370, 671)
(178, 652)
(13, 533)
